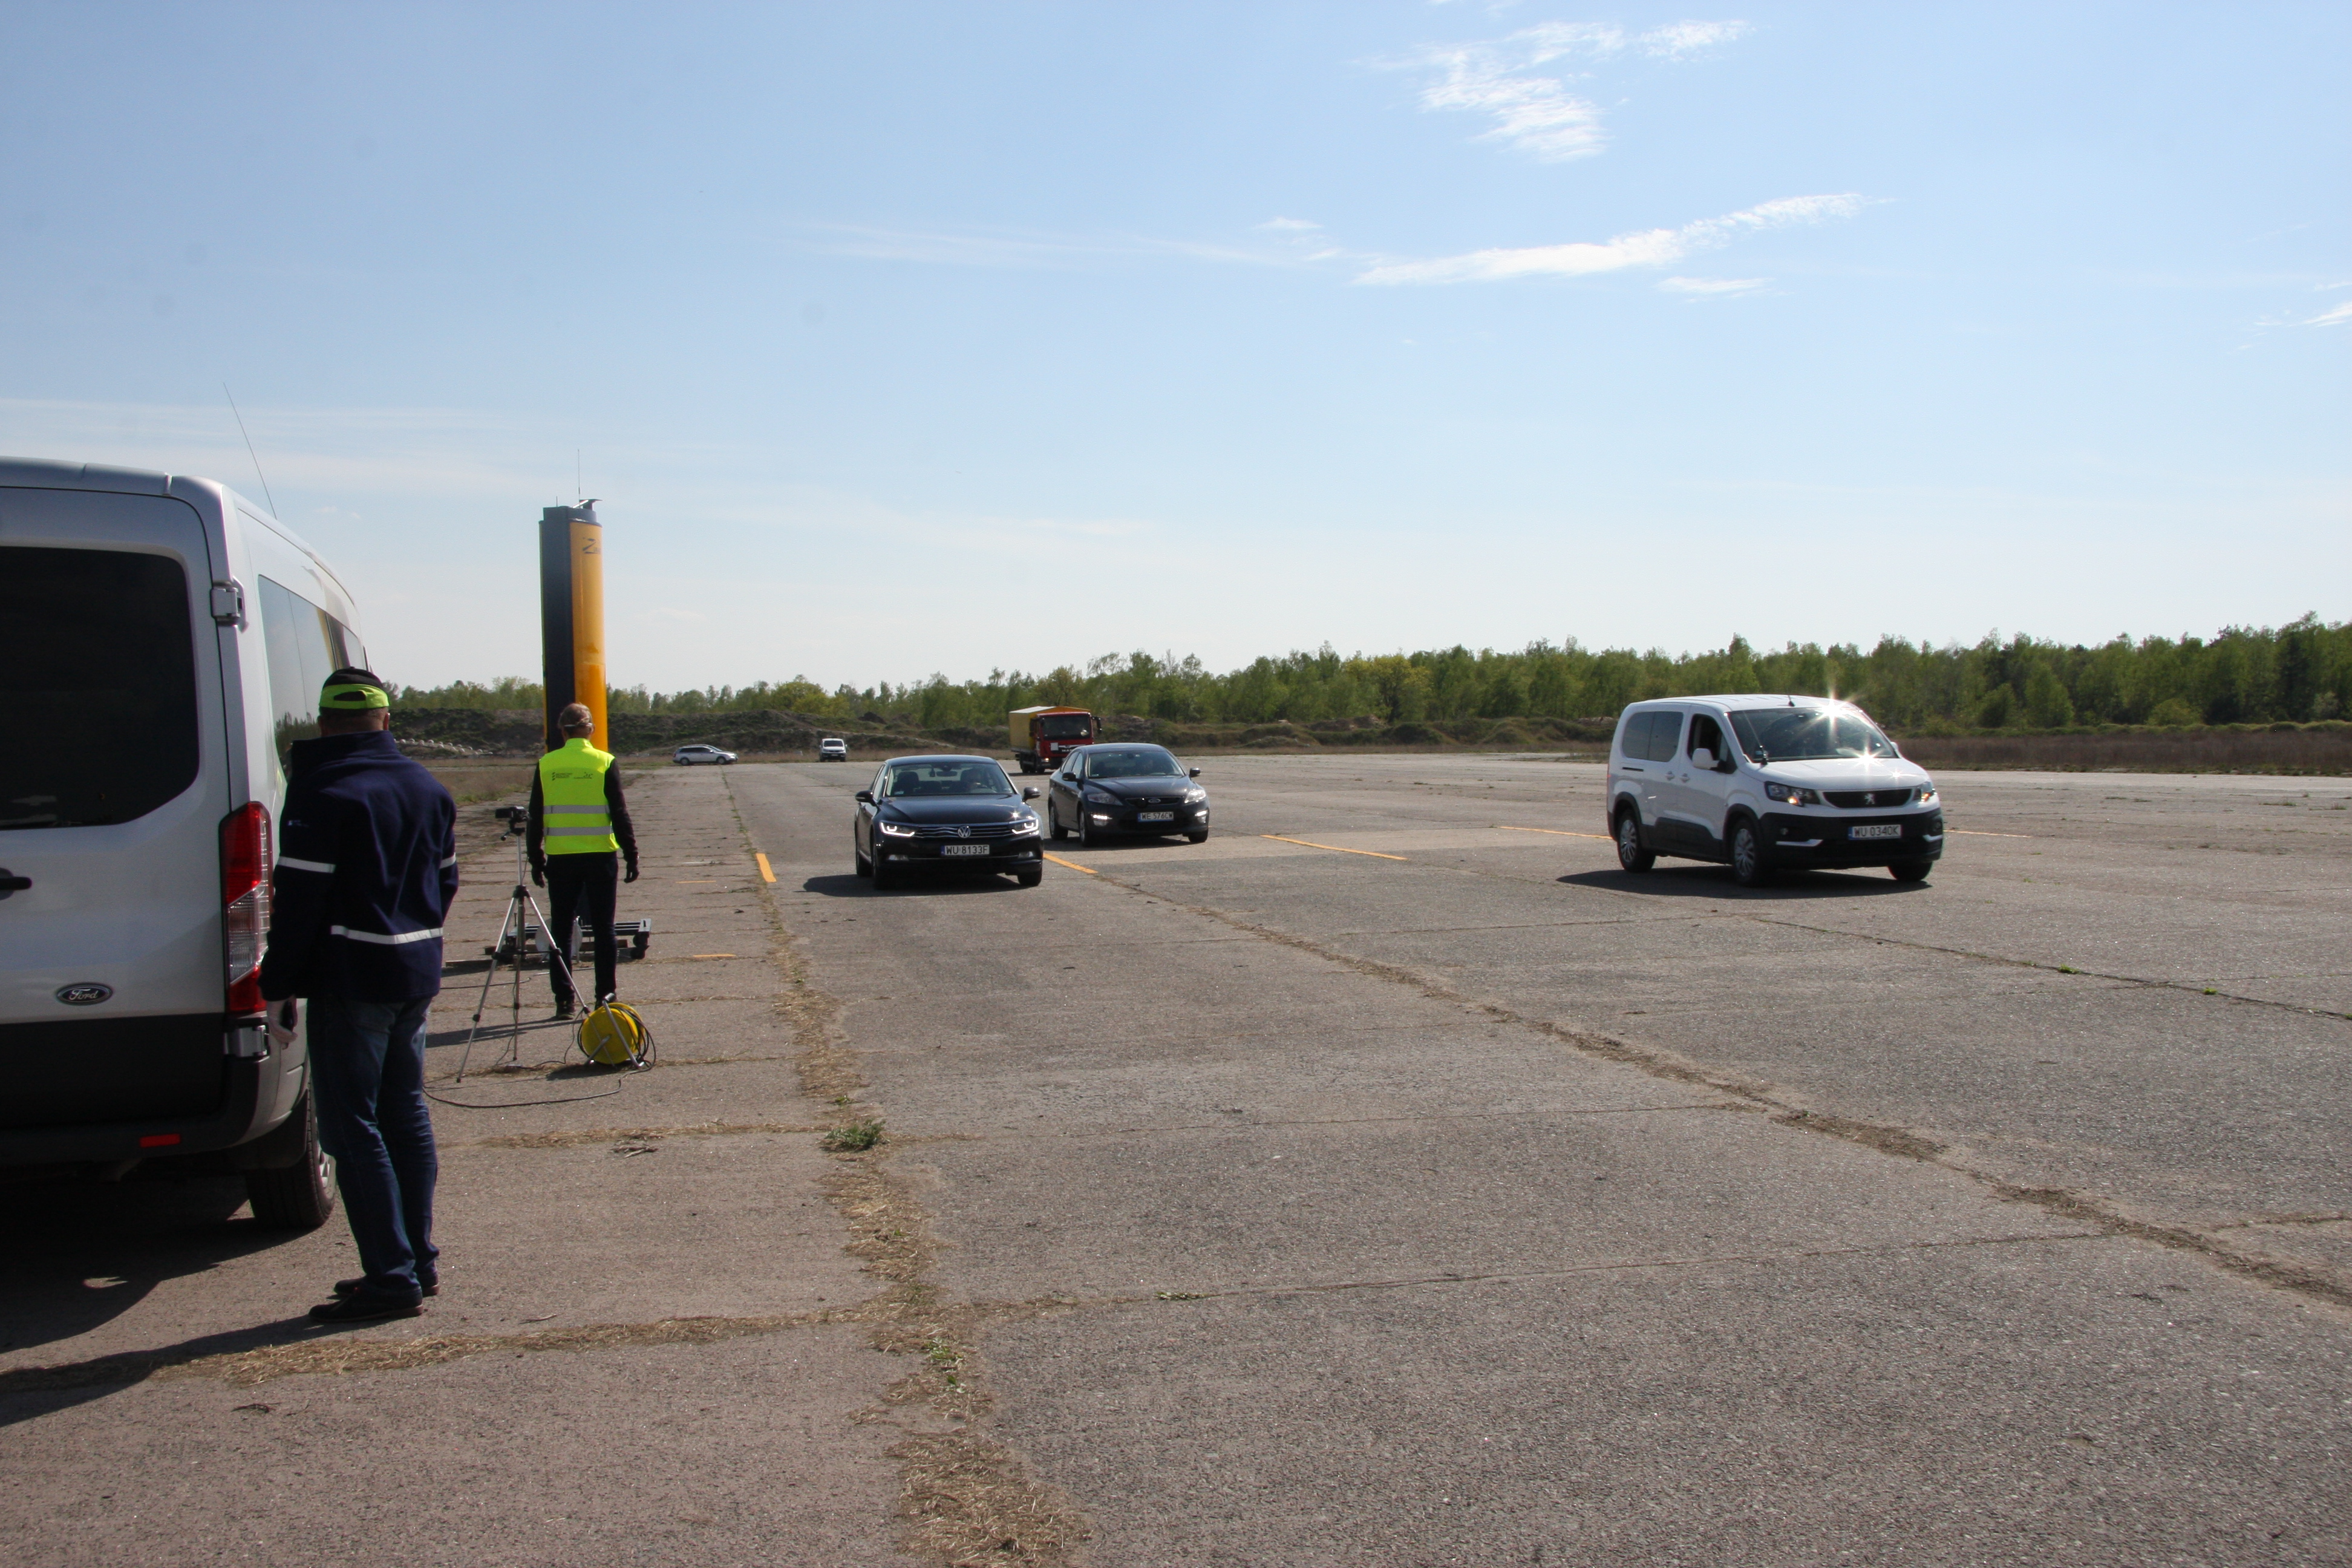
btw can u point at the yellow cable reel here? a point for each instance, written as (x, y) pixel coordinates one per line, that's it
(611, 1034)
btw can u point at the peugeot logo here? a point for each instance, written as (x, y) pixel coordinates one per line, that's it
(1870, 800)
(88, 993)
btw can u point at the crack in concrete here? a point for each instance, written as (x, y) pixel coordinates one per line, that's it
(1903, 1143)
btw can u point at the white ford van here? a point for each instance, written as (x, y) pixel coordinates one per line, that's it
(1764, 783)
(163, 641)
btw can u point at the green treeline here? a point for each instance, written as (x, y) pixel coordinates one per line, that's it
(2298, 673)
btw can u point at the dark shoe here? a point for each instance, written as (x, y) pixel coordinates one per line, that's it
(352, 1287)
(360, 1307)
(566, 1007)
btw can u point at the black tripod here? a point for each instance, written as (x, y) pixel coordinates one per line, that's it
(515, 943)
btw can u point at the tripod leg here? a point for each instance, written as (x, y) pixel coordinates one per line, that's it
(489, 975)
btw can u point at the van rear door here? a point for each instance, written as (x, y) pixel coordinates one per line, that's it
(113, 784)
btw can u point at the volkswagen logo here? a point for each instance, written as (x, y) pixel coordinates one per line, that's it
(963, 832)
(87, 993)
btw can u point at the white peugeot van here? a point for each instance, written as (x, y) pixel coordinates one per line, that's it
(163, 642)
(1766, 783)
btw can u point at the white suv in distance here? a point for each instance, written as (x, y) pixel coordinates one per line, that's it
(1767, 783)
(833, 749)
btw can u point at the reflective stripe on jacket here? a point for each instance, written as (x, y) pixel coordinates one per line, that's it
(572, 791)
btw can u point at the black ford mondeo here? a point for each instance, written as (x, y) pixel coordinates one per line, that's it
(1103, 791)
(943, 813)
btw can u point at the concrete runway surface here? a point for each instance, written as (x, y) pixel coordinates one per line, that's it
(1439, 1194)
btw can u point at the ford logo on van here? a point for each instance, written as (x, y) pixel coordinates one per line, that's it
(88, 994)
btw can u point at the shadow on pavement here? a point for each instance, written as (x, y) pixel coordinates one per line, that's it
(28, 1393)
(81, 1253)
(1700, 881)
(938, 882)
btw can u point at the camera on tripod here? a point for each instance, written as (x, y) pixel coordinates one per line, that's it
(516, 817)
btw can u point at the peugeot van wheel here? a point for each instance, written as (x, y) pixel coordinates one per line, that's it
(1630, 853)
(1748, 868)
(1911, 870)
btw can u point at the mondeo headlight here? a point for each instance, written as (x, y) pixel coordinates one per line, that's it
(895, 829)
(1196, 795)
(1791, 795)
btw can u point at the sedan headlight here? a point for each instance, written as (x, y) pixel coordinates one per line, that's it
(1024, 824)
(895, 829)
(1098, 796)
(1196, 795)
(1791, 795)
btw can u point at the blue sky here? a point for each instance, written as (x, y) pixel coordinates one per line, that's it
(914, 338)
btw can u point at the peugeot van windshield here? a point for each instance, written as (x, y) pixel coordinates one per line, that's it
(97, 679)
(1807, 734)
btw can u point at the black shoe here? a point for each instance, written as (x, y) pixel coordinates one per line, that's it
(360, 1307)
(354, 1287)
(566, 1007)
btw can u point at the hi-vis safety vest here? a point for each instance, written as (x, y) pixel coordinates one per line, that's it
(571, 790)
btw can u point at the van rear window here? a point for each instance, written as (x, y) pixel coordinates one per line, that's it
(98, 687)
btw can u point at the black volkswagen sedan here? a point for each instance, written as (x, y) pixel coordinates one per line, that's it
(1101, 791)
(945, 813)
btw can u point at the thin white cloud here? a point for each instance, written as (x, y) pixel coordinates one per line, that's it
(1647, 247)
(1290, 226)
(1537, 113)
(2340, 316)
(1713, 288)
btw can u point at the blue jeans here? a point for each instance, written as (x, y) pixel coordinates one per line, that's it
(367, 1074)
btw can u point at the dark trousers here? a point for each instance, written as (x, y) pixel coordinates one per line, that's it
(583, 887)
(367, 1074)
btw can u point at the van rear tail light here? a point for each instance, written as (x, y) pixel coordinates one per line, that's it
(245, 906)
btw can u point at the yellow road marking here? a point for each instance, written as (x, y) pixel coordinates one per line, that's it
(767, 874)
(1556, 832)
(1073, 865)
(1335, 847)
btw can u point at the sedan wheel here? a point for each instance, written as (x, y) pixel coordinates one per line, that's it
(1054, 822)
(1087, 835)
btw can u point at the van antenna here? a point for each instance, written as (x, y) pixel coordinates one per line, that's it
(249, 451)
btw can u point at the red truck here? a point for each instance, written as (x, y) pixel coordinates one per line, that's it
(1043, 736)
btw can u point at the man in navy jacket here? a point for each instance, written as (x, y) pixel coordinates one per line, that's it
(367, 864)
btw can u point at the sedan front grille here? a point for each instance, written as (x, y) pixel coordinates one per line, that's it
(1866, 800)
(973, 830)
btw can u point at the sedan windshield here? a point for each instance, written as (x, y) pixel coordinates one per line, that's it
(976, 777)
(1144, 762)
(1808, 734)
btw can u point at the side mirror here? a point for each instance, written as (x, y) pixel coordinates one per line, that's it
(864, 797)
(1192, 772)
(1703, 760)
(1030, 793)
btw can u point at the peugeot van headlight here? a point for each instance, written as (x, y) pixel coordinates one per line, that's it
(895, 829)
(1791, 795)
(1926, 795)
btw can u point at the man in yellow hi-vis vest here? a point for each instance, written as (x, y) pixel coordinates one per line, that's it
(578, 822)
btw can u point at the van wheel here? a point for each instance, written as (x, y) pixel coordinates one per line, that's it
(1630, 853)
(301, 1195)
(1911, 870)
(1748, 868)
